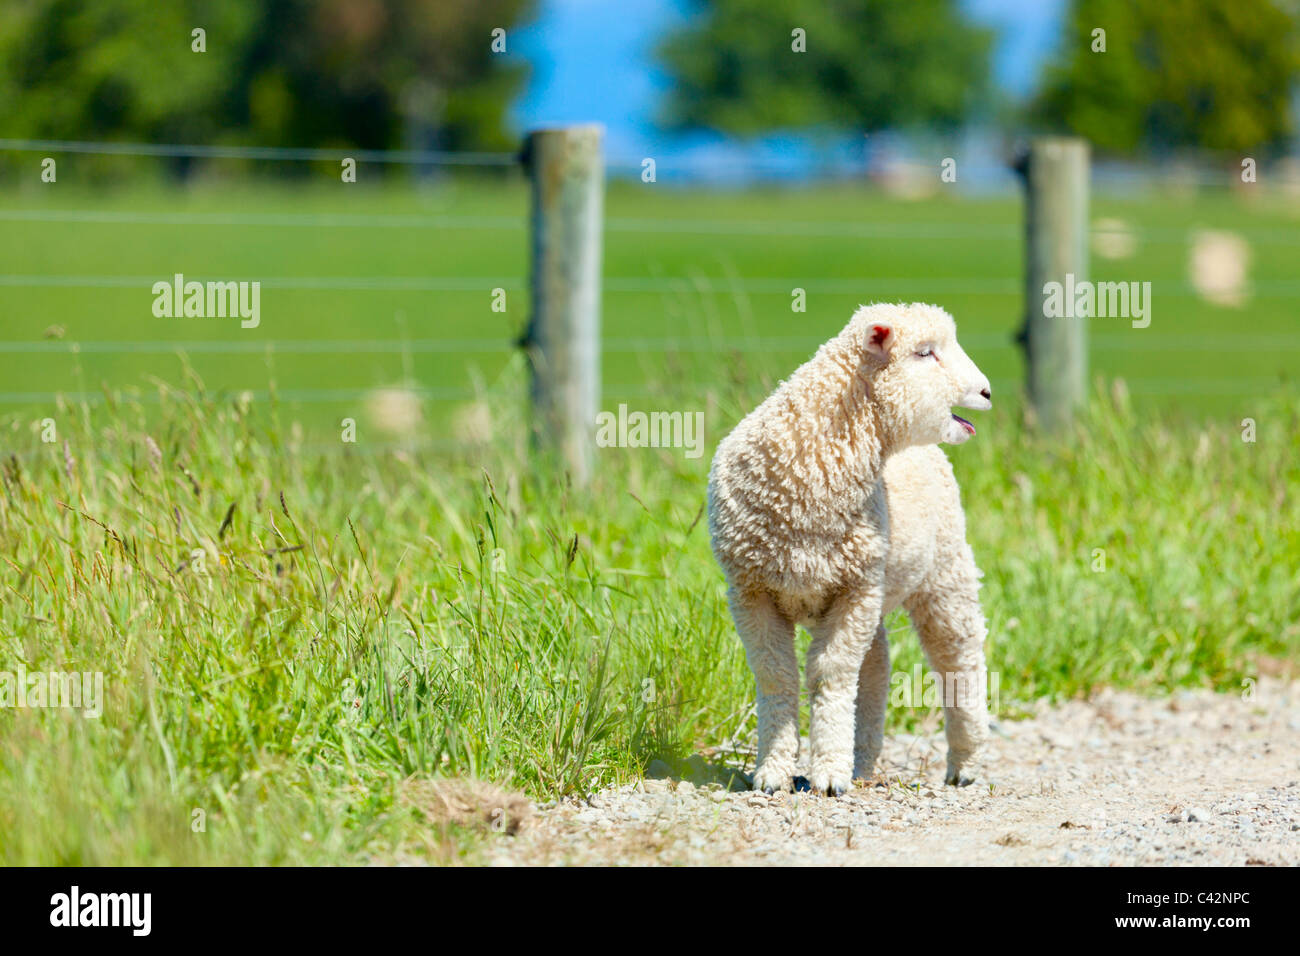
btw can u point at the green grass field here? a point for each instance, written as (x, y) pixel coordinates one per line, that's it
(372, 617)
(367, 287)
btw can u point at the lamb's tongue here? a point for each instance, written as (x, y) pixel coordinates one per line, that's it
(965, 424)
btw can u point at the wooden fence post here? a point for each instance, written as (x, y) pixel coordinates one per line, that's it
(1055, 171)
(567, 172)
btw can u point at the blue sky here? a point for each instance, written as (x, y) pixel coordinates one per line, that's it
(592, 60)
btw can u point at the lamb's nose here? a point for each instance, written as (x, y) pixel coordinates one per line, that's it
(987, 394)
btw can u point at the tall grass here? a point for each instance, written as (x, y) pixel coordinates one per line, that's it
(368, 617)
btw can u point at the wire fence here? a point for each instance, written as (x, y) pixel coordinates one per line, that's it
(408, 157)
(878, 285)
(1199, 169)
(613, 345)
(881, 286)
(1143, 386)
(618, 225)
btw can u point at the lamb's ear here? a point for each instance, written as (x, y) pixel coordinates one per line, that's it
(880, 339)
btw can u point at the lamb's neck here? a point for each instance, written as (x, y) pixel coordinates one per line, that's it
(848, 439)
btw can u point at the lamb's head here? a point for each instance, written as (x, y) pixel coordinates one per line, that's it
(918, 373)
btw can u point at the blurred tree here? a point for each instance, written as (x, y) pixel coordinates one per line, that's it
(865, 65)
(275, 72)
(1216, 74)
(333, 71)
(82, 69)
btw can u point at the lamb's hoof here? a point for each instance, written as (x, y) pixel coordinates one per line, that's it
(864, 771)
(831, 785)
(955, 778)
(772, 781)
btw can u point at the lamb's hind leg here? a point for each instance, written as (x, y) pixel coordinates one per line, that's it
(947, 616)
(873, 693)
(768, 637)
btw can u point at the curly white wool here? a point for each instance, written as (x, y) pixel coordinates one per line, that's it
(829, 506)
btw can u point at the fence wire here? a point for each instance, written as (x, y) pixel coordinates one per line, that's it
(630, 226)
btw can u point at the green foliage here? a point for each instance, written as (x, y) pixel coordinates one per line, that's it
(283, 72)
(103, 69)
(467, 614)
(1216, 74)
(367, 621)
(868, 65)
(362, 621)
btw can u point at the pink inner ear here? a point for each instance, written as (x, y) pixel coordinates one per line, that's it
(878, 335)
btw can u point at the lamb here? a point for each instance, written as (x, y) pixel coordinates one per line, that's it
(830, 505)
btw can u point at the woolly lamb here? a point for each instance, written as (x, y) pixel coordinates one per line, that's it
(830, 505)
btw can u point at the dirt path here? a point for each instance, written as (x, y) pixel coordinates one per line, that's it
(1196, 779)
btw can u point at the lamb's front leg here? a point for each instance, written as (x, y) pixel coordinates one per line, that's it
(835, 657)
(769, 647)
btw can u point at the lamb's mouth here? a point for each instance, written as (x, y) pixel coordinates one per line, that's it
(964, 424)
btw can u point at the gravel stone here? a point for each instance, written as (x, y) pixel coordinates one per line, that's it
(1111, 781)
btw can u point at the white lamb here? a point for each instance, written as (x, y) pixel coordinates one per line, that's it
(830, 505)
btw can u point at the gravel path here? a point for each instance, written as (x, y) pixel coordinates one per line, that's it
(1193, 779)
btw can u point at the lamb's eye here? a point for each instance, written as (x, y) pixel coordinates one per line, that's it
(925, 352)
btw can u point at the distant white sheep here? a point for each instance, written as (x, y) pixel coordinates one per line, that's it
(829, 506)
